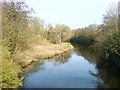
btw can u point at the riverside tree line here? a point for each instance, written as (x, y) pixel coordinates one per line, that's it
(21, 31)
(104, 38)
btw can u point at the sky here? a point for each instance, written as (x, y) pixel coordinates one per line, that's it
(73, 13)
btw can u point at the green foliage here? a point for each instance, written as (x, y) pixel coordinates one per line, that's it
(10, 71)
(53, 37)
(109, 37)
(14, 33)
(37, 30)
(85, 36)
(104, 38)
(20, 32)
(14, 26)
(58, 34)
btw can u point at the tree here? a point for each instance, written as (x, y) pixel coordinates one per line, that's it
(108, 39)
(113, 37)
(15, 25)
(60, 33)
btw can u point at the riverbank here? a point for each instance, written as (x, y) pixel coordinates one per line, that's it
(42, 52)
(13, 67)
(47, 72)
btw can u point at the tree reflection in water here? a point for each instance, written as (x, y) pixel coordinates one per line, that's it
(108, 75)
(63, 58)
(36, 66)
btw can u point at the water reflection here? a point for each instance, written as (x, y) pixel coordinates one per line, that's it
(34, 67)
(39, 66)
(107, 73)
(110, 75)
(88, 53)
(106, 79)
(71, 70)
(63, 58)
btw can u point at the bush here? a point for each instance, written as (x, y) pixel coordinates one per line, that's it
(10, 72)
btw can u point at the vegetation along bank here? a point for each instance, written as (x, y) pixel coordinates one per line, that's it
(26, 38)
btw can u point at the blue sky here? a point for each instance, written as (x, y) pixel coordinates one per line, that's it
(74, 13)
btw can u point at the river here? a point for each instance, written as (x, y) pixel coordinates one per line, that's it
(79, 68)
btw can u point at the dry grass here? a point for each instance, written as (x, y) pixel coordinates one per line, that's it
(42, 52)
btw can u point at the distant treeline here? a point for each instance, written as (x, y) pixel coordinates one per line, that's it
(104, 38)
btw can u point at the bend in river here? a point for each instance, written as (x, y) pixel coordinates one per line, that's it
(75, 69)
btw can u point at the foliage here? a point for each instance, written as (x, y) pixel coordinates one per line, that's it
(104, 38)
(38, 31)
(84, 36)
(14, 26)
(58, 34)
(21, 32)
(10, 71)
(109, 37)
(14, 33)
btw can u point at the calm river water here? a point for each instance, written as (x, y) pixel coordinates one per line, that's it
(75, 69)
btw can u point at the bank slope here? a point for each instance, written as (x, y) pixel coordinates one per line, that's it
(43, 52)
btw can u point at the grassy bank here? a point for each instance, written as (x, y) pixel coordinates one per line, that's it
(12, 67)
(41, 52)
